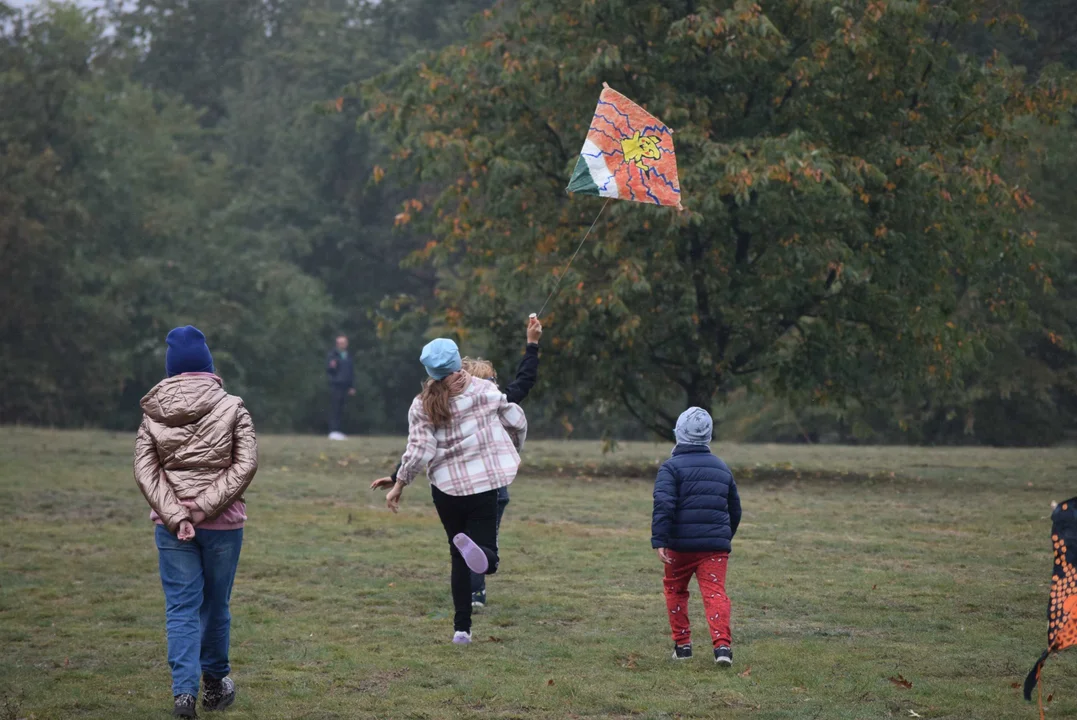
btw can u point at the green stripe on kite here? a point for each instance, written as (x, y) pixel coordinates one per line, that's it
(581, 181)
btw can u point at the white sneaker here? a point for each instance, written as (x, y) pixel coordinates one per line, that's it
(461, 638)
(337, 436)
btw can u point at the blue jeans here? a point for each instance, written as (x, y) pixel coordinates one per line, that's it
(197, 577)
(478, 582)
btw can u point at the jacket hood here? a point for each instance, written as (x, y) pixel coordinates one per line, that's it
(183, 399)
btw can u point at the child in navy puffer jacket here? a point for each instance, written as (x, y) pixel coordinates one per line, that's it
(696, 514)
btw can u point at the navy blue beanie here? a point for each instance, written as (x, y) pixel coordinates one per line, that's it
(187, 352)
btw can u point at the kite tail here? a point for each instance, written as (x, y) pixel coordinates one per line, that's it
(1033, 678)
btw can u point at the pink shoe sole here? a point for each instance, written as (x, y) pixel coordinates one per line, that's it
(475, 558)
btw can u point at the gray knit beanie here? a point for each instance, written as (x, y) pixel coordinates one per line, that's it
(694, 427)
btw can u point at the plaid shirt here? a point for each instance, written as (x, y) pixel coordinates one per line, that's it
(477, 452)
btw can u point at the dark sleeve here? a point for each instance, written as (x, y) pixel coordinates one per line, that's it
(393, 476)
(665, 506)
(734, 506)
(329, 369)
(351, 370)
(526, 375)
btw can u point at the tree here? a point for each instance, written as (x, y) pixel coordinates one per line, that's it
(113, 234)
(193, 48)
(848, 234)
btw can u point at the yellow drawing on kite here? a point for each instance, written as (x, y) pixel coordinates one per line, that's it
(636, 149)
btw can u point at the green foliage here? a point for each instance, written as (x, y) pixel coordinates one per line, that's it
(193, 48)
(875, 244)
(848, 234)
(114, 235)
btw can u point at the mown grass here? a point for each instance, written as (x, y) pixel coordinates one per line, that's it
(853, 566)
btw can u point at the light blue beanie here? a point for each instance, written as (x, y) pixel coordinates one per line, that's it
(441, 358)
(694, 427)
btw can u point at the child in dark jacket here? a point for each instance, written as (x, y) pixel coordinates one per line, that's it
(696, 514)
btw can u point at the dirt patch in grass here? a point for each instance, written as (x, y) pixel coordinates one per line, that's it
(377, 683)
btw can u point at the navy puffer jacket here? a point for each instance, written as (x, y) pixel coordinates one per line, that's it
(696, 505)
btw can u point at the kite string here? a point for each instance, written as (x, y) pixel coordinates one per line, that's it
(564, 272)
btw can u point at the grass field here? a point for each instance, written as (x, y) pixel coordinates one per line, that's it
(853, 566)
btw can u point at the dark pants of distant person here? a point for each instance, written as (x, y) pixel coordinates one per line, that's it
(338, 394)
(478, 582)
(476, 517)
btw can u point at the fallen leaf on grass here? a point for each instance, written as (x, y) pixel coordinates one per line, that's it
(549, 682)
(392, 584)
(494, 639)
(913, 713)
(747, 672)
(901, 682)
(1050, 697)
(1015, 686)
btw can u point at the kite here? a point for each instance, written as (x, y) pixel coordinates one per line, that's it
(1062, 610)
(628, 155)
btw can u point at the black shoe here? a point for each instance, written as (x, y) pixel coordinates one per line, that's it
(217, 694)
(185, 706)
(682, 652)
(723, 656)
(478, 599)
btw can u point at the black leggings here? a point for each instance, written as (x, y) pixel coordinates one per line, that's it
(476, 517)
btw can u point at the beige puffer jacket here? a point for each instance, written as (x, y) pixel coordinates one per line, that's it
(196, 443)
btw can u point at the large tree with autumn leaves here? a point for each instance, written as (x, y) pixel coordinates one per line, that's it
(849, 231)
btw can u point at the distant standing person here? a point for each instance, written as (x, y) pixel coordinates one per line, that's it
(340, 368)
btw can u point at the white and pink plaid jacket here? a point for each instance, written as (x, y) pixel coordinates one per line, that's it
(477, 452)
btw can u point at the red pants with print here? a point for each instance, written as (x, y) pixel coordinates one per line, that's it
(709, 569)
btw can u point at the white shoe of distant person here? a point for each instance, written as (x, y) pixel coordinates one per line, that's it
(337, 436)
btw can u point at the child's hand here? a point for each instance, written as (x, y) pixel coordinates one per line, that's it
(664, 556)
(197, 516)
(382, 483)
(392, 498)
(534, 330)
(186, 531)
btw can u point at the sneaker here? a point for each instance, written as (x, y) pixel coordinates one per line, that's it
(723, 656)
(461, 638)
(478, 599)
(474, 556)
(184, 706)
(682, 652)
(337, 436)
(217, 694)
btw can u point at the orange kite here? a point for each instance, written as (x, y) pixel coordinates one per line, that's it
(628, 155)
